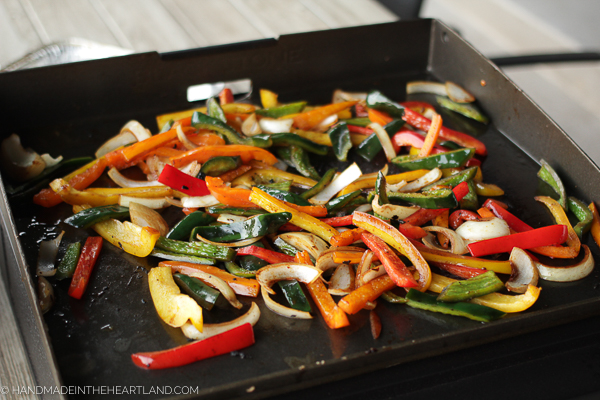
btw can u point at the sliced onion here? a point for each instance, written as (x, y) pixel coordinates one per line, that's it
(364, 208)
(431, 177)
(155, 203)
(281, 309)
(187, 143)
(251, 127)
(476, 230)
(250, 317)
(137, 130)
(350, 174)
(457, 244)
(142, 215)
(174, 202)
(458, 94)
(50, 161)
(199, 201)
(396, 187)
(123, 181)
(270, 274)
(524, 271)
(309, 242)
(325, 260)
(231, 218)
(326, 123)
(426, 87)
(45, 294)
(155, 165)
(218, 284)
(373, 273)
(272, 125)
(389, 211)
(192, 169)
(131, 132)
(239, 243)
(340, 96)
(47, 256)
(370, 175)
(364, 266)
(429, 113)
(569, 273)
(281, 165)
(19, 163)
(342, 280)
(385, 140)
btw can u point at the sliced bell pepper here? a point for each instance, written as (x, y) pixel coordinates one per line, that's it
(85, 265)
(346, 238)
(370, 291)
(394, 267)
(231, 175)
(549, 175)
(423, 216)
(390, 179)
(303, 257)
(299, 218)
(333, 315)
(406, 137)
(261, 176)
(573, 244)
(180, 181)
(338, 221)
(459, 216)
(583, 214)
(459, 270)
(234, 197)
(437, 256)
(270, 256)
(513, 221)
(394, 238)
(310, 119)
(449, 159)
(204, 153)
(595, 228)
(432, 136)
(259, 225)
(129, 237)
(226, 96)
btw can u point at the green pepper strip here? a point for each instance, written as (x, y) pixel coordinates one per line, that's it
(236, 270)
(470, 201)
(285, 247)
(583, 214)
(215, 110)
(476, 286)
(337, 203)
(90, 216)
(282, 110)
(203, 121)
(67, 265)
(450, 159)
(285, 196)
(173, 256)
(453, 180)
(379, 101)
(371, 146)
(359, 121)
(434, 199)
(182, 230)
(381, 189)
(216, 166)
(260, 225)
(204, 295)
(301, 162)
(468, 110)
(291, 139)
(340, 140)
(324, 181)
(429, 302)
(198, 249)
(295, 295)
(245, 212)
(549, 175)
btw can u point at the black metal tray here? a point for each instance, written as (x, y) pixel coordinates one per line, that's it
(71, 109)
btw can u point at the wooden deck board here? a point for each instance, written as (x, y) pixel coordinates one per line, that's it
(18, 36)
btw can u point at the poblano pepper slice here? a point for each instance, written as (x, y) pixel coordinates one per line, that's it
(295, 295)
(479, 285)
(434, 199)
(282, 110)
(257, 226)
(472, 311)
(90, 216)
(216, 166)
(204, 295)
(203, 121)
(291, 139)
(197, 249)
(324, 181)
(182, 230)
(379, 101)
(583, 214)
(214, 110)
(450, 159)
(371, 146)
(340, 140)
(285, 196)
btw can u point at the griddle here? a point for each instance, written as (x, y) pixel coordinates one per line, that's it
(71, 109)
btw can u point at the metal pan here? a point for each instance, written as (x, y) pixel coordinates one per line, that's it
(71, 109)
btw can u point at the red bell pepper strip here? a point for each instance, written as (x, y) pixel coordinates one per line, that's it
(394, 267)
(174, 178)
(418, 106)
(363, 130)
(459, 270)
(459, 216)
(419, 121)
(513, 222)
(289, 227)
(338, 221)
(423, 216)
(234, 339)
(406, 137)
(226, 96)
(85, 265)
(461, 190)
(270, 256)
(546, 236)
(360, 110)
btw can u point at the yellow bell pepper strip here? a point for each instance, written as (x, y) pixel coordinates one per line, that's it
(172, 306)
(204, 153)
(312, 118)
(333, 315)
(259, 176)
(234, 197)
(79, 179)
(443, 257)
(359, 297)
(394, 267)
(268, 98)
(300, 219)
(502, 302)
(595, 229)
(129, 237)
(241, 286)
(573, 243)
(397, 240)
(186, 115)
(391, 179)
(325, 140)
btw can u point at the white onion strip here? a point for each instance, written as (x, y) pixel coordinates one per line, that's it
(281, 309)
(384, 139)
(389, 211)
(457, 244)
(218, 284)
(123, 181)
(250, 317)
(271, 125)
(154, 203)
(569, 273)
(431, 177)
(342, 280)
(325, 260)
(270, 274)
(472, 231)
(187, 143)
(426, 87)
(350, 174)
(199, 201)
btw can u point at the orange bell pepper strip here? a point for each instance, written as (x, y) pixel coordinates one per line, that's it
(379, 117)
(595, 229)
(79, 179)
(145, 146)
(391, 179)
(333, 315)
(226, 96)
(231, 175)
(309, 119)
(346, 238)
(394, 267)
(313, 211)
(204, 153)
(234, 197)
(432, 136)
(397, 240)
(573, 245)
(303, 257)
(359, 297)
(241, 286)
(350, 257)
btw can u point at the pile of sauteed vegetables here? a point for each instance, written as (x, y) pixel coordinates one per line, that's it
(258, 219)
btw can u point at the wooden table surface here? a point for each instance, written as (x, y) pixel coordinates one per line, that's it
(567, 92)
